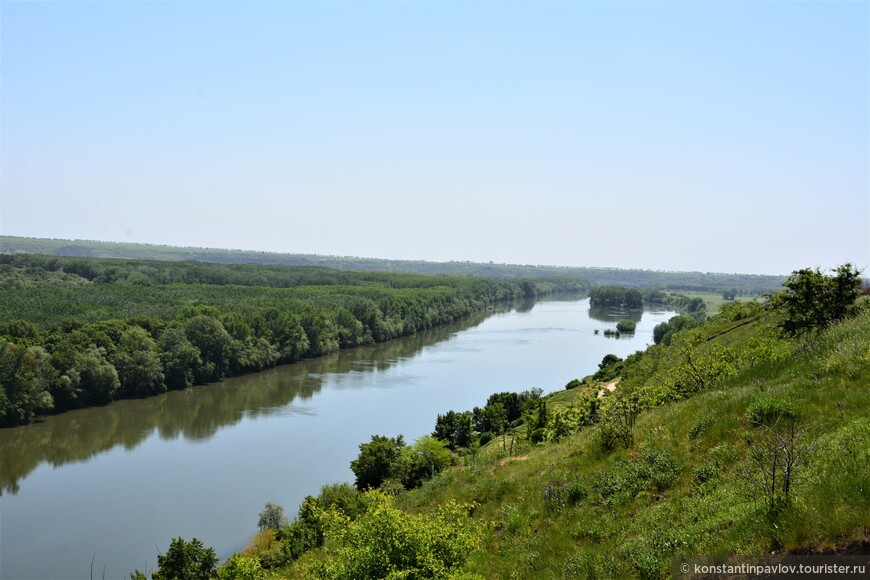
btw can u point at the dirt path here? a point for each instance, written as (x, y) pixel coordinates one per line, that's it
(609, 386)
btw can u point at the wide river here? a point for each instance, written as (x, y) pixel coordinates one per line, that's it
(97, 492)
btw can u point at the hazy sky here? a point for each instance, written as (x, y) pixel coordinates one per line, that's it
(716, 136)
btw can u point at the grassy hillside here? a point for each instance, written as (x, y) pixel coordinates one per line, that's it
(693, 481)
(676, 461)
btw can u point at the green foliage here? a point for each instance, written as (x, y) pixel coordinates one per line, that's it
(26, 377)
(573, 384)
(778, 453)
(769, 411)
(386, 542)
(626, 325)
(378, 460)
(272, 517)
(653, 470)
(109, 334)
(701, 425)
(262, 266)
(735, 311)
(186, 561)
(690, 479)
(609, 368)
(91, 380)
(615, 296)
(305, 533)
(179, 358)
(619, 415)
(665, 331)
(608, 360)
(137, 361)
(239, 567)
(454, 428)
(813, 301)
(563, 420)
(422, 460)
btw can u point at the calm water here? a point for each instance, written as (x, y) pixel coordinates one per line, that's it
(117, 483)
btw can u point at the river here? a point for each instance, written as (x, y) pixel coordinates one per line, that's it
(113, 485)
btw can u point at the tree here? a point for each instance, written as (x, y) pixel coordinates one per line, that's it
(138, 363)
(377, 461)
(615, 296)
(272, 517)
(179, 358)
(537, 429)
(240, 567)
(813, 301)
(626, 325)
(422, 460)
(454, 428)
(186, 561)
(25, 380)
(608, 360)
(92, 379)
(779, 454)
(659, 332)
(491, 419)
(214, 343)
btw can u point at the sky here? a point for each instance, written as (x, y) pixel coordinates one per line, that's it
(722, 136)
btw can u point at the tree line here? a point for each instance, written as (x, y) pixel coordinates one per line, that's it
(77, 332)
(688, 281)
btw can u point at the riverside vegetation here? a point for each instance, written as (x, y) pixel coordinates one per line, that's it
(747, 433)
(76, 332)
(726, 284)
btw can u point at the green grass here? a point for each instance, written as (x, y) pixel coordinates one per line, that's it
(689, 484)
(683, 487)
(714, 300)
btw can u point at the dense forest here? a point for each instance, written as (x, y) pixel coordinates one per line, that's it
(743, 284)
(748, 433)
(86, 331)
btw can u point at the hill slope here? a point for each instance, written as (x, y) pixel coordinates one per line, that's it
(676, 461)
(695, 480)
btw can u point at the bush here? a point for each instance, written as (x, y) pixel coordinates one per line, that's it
(626, 325)
(240, 567)
(386, 541)
(700, 426)
(814, 301)
(186, 561)
(377, 461)
(272, 517)
(767, 411)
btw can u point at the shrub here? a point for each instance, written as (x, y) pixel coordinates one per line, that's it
(385, 541)
(186, 561)
(272, 517)
(700, 426)
(767, 411)
(240, 567)
(814, 301)
(626, 325)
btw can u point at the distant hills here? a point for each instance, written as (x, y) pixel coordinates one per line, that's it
(745, 284)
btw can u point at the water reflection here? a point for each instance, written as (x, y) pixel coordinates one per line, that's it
(611, 314)
(200, 412)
